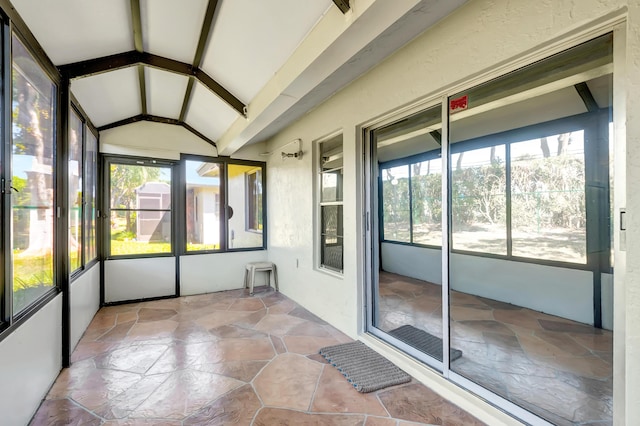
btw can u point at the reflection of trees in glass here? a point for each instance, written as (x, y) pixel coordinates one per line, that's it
(33, 136)
(548, 192)
(32, 147)
(395, 204)
(90, 174)
(426, 188)
(547, 196)
(75, 190)
(478, 194)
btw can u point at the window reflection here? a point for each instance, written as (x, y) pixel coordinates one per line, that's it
(76, 127)
(32, 149)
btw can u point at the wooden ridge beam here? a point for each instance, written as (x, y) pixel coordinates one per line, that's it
(156, 119)
(128, 59)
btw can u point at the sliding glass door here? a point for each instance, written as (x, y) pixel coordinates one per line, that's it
(406, 179)
(523, 313)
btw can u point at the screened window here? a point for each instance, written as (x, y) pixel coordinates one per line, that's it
(91, 184)
(82, 185)
(140, 204)
(76, 138)
(224, 204)
(203, 208)
(32, 201)
(254, 200)
(331, 204)
(245, 206)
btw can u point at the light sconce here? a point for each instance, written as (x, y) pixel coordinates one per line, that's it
(297, 150)
(296, 154)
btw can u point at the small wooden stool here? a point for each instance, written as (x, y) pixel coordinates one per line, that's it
(250, 274)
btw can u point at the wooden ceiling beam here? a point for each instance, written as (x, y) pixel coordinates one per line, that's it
(205, 32)
(156, 119)
(127, 59)
(587, 97)
(343, 5)
(136, 23)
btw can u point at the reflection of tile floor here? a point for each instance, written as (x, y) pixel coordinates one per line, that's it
(559, 369)
(223, 358)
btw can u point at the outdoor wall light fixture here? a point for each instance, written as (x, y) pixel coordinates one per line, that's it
(296, 154)
(284, 155)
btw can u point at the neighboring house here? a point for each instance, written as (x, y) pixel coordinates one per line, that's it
(153, 225)
(203, 207)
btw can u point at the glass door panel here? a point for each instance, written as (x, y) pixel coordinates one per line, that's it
(530, 252)
(407, 286)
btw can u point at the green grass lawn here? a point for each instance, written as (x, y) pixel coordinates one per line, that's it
(119, 248)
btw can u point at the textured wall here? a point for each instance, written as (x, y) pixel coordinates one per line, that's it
(480, 40)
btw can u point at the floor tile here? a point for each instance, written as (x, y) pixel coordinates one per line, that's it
(289, 381)
(417, 403)
(277, 416)
(238, 407)
(244, 371)
(335, 395)
(63, 412)
(196, 360)
(184, 393)
(134, 359)
(147, 314)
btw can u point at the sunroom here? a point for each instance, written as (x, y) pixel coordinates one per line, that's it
(449, 182)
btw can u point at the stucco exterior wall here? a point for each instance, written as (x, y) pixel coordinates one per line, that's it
(482, 39)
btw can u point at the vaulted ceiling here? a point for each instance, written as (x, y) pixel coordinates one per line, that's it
(233, 72)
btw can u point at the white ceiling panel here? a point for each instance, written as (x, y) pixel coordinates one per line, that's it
(165, 92)
(209, 114)
(251, 40)
(76, 30)
(171, 28)
(109, 97)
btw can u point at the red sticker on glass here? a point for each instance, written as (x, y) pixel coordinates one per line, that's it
(459, 104)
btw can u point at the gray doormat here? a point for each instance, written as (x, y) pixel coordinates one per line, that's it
(423, 341)
(363, 367)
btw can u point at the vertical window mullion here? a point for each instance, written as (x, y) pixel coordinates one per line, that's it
(508, 197)
(410, 189)
(5, 154)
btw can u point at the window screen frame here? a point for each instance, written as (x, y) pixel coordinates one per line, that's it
(108, 160)
(224, 163)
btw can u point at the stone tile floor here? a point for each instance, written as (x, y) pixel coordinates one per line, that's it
(559, 369)
(223, 358)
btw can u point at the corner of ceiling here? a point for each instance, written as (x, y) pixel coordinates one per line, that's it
(329, 45)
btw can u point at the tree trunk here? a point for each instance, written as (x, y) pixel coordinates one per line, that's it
(563, 141)
(544, 146)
